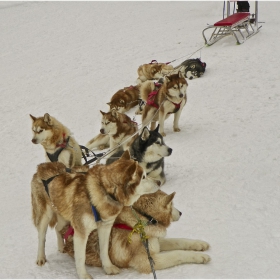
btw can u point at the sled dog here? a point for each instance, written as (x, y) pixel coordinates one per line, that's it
(152, 71)
(192, 68)
(115, 128)
(57, 141)
(163, 100)
(149, 150)
(125, 99)
(158, 212)
(77, 198)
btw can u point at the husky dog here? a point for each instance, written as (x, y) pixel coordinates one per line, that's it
(76, 197)
(125, 99)
(115, 128)
(163, 100)
(56, 140)
(192, 68)
(152, 71)
(158, 212)
(149, 150)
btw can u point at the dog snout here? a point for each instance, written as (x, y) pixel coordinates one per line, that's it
(102, 131)
(180, 213)
(34, 141)
(181, 95)
(169, 151)
(191, 77)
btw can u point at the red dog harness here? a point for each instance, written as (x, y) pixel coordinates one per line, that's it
(70, 230)
(152, 95)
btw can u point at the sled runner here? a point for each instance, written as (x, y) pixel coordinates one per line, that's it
(240, 25)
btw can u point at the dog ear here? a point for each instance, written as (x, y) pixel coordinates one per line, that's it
(132, 169)
(167, 79)
(169, 198)
(103, 113)
(125, 155)
(145, 134)
(157, 128)
(109, 103)
(47, 119)
(33, 118)
(115, 114)
(181, 75)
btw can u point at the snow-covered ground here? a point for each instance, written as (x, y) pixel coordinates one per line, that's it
(69, 58)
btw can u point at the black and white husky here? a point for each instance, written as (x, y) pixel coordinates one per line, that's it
(149, 150)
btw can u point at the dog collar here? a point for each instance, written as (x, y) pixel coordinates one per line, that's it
(150, 219)
(64, 143)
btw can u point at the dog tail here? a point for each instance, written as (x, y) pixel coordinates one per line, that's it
(146, 88)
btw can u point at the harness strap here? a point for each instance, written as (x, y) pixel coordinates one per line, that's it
(122, 226)
(46, 184)
(70, 230)
(54, 157)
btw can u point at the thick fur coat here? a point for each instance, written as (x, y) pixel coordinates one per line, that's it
(69, 198)
(125, 99)
(54, 136)
(166, 252)
(163, 100)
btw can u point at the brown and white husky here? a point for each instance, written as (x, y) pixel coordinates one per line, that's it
(57, 140)
(70, 197)
(163, 100)
(157, 211)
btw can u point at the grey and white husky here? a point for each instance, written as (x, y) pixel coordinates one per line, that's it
(149, 150)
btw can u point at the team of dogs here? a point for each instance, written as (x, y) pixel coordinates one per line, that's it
(94, 209)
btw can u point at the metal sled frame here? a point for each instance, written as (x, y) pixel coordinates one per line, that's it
(237, 24)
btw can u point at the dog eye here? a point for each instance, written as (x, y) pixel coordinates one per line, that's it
(144, 177)
(40, 131)
(158, 142)
(175, 87)
(193, 66)
(107, 123)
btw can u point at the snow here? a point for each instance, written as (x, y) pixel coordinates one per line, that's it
(69, 58)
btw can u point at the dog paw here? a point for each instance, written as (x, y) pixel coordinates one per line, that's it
(199, 245)
(202, 258)
(85, 276)
(111, 269)
(177, 129)
(41, 261)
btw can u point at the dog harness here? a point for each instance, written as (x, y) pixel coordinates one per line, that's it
(151, 220)
(151, 99)
(54, 157)
(68, 170)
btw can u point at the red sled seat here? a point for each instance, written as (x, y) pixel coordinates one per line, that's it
(233, 20)
(238, 25)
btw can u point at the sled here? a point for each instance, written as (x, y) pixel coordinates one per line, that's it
(240, 25)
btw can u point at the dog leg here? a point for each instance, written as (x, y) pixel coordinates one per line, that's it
(101, 141)
(42, 230)
(168, 244)
(80, 242)
(176, 121)
(104, 231)
(172, 258)
(161, 119)
(61, 223)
